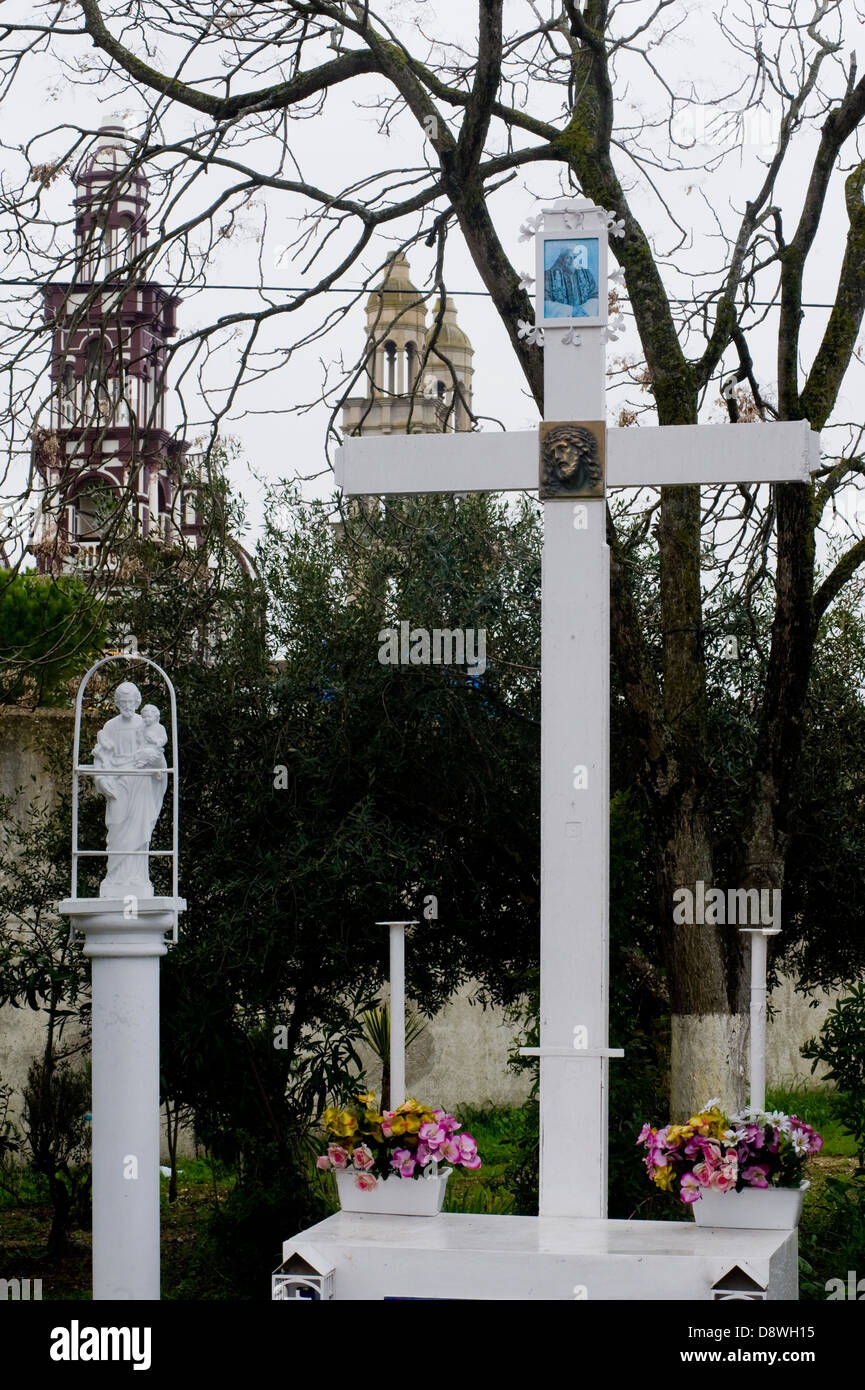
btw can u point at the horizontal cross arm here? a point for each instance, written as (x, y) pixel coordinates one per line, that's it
(657, 456)
(578, 1052)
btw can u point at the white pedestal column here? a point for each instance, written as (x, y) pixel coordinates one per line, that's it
(125, 1078)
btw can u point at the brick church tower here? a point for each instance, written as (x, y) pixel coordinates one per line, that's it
(107, 464)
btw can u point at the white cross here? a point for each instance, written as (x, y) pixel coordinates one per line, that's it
(575, 694)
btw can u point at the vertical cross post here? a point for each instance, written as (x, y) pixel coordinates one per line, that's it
(575, 701)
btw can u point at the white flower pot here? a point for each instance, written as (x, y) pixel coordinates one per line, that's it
(394, 1196)
(754, 1208)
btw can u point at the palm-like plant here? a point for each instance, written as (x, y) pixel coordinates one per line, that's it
(376, 1034)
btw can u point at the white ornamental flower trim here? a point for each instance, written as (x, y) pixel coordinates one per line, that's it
(530, 227)
(532, 335)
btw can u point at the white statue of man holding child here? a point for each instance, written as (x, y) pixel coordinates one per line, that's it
(132, 804)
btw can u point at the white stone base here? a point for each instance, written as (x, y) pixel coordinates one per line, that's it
(527, 1258)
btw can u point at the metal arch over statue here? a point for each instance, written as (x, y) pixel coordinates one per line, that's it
(130, 770)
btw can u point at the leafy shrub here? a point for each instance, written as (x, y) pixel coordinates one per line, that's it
(57, 1130)
(841, 1048)
(832, 1236)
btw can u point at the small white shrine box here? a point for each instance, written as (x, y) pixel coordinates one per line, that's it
(304, 1273)
(737, 1285)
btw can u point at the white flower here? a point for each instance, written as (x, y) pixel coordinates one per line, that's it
(778, 1119)
(572, 338)
(530, 226)
(530, 332)
(716, 1100)
(615, 224)
(526, 282)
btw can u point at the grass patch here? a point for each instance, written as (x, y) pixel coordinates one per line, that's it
(815, 1108)
(505, 1138)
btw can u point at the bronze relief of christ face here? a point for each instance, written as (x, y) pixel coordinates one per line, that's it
(572, 458)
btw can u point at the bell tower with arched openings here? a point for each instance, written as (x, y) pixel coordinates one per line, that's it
(108, 465)
(408, 386)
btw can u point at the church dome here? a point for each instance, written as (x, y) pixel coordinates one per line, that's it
(396, 287)
(450, 335)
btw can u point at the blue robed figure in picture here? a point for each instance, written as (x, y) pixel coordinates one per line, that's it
(571, 277)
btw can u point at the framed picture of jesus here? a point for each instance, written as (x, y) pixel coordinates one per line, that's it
(571, 281)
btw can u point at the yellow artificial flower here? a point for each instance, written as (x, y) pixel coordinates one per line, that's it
(709, 1123)
(366, 1099)
(663, 1178)
(677, 1134)
(340, 1123)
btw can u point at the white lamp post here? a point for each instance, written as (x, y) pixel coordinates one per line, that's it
(757, 1064)
(124, 932)
(397, 1010)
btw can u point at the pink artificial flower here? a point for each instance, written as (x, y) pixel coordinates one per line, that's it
(362, 1158)
(690, 1188)
(433, 1136)
(338, 1155)
(451, 1151)
(404, 1162)
(757, 1175)
(323, 1161)
(422, 1154)
(711, 1151)
(645, 1134)
(468, 1151)
(366, 1181)
(724, 1178)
